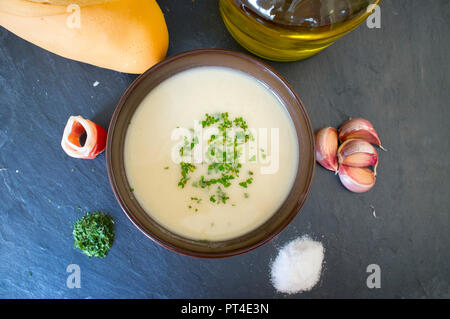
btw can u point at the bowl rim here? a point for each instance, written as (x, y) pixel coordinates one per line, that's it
(112, 179)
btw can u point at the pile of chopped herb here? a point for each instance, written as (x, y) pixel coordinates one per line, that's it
(94, 234)
(224, 150)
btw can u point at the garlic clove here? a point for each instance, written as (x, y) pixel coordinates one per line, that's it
(359, 128)
(356, 179)
(326, 148)
(357, 153)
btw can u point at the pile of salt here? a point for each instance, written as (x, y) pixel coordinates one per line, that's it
(298, 266)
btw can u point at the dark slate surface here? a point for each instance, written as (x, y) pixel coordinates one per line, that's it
(396, 76)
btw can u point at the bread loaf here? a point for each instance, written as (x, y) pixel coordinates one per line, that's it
(124, 35)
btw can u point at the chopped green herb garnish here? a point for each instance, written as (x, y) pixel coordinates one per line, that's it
(131, 189)
(167, 167)
(222, 196)
(209, 120)
(263, 155)
(239, 121)
(186, 168)
(224, 151)
(246, 195)
(224, 180)
(226, 123)
(94, 234)
(212, 138)
(198, 200)
(194, 142)
(246, 182)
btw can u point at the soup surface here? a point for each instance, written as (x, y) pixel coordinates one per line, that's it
(178, 177)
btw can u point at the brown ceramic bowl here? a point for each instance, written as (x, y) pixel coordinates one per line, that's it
(131, 100)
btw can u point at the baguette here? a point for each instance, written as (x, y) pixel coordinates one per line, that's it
(123, 35)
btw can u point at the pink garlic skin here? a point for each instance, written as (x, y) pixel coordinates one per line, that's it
(359, 128)
(326, 148)
(367, 153)
(356, 179)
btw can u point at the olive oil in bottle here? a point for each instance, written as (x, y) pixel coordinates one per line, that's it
(288, 30)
